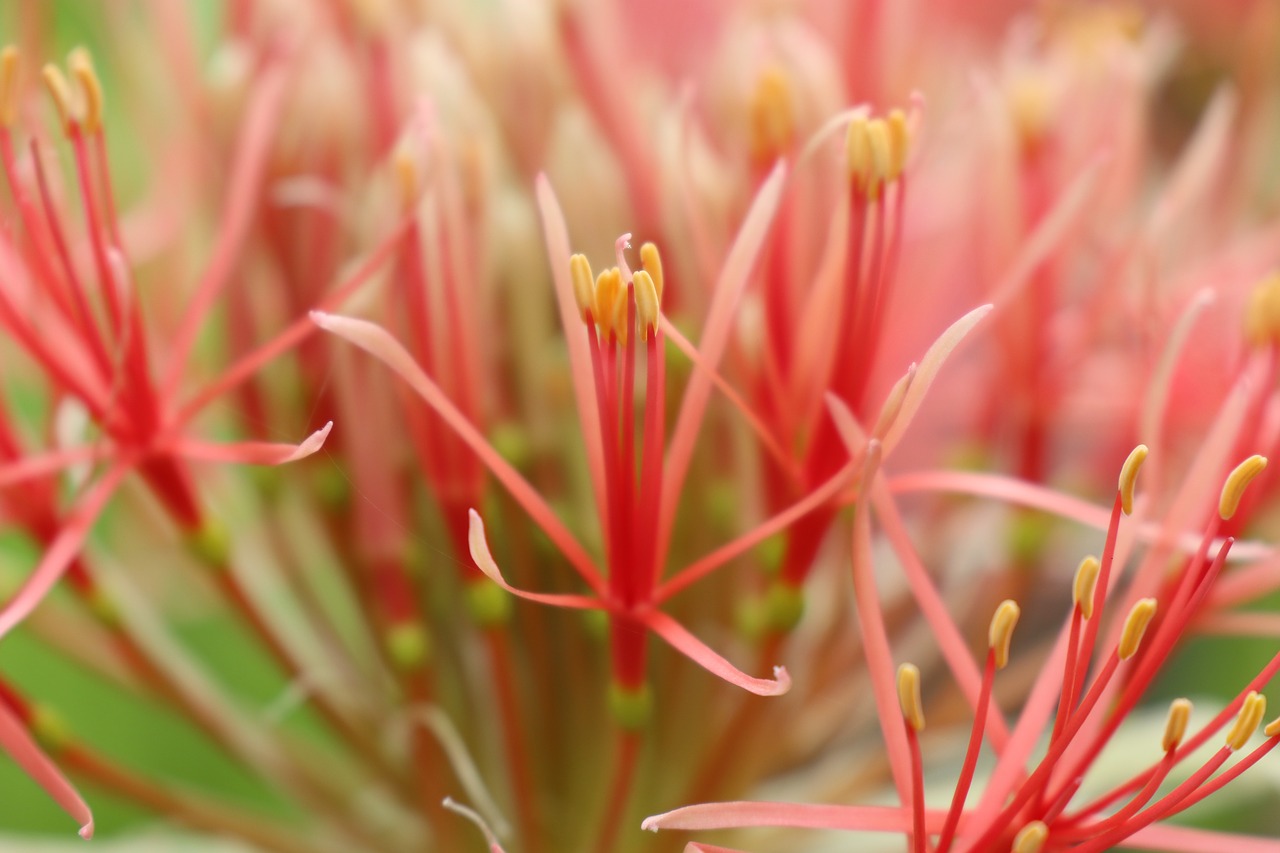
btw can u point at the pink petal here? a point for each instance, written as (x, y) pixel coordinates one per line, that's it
(736, 815)
(483, 558)
(701, 654)
(254, 452)
(22, 748)
(62, 550)
(379, 343)
(43, 464)
(1184, 839)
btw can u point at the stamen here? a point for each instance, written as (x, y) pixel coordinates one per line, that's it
(620, 247)
(879, 147)
(899, 143)
(68, 107)
(1031, 838)
(647, 307)
(1135, 625)
(1255, 705)
(1262, 313)
(652, 263)
(1129, 476)
(1237, 481)
(408, 177)
(1085, 584)
(81, 65)
(1001, 633)
(1273, 728)
(1175, 727)
(772, 115)
(608, 284)
(584, 289)
(8, 85)
(857, 152)
(490, 838)
(909, 695)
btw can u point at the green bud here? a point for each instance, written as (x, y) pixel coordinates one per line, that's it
(49, 728)
(785, 606)
(631, 707)
(408, 645)
(211, 544)
(488, 603)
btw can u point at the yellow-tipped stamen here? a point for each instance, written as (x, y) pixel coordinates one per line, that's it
(651, 261)
(68, 107)
(1273, 728)
(9, 58)
(1085, 585)
(1135, 625)
(881, 154)
(647, 307)
(1129, 476)
(1262, 313)
(857, 152)
(1255, 705)
(899, 143)
(772, 115)
(80, 64)
(1175, 727)
(1031, 838)
(1000, 634)
(909, 696)
(1237, 481)
(608, 284)
(584, 287)
(408, 177)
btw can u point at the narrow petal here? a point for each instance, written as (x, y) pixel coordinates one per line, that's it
(736, 815)
(1198, 167)
(701, 654)
(62, 550)
(44, 464)
(479, 546)
(734, 277)
(379, 343)
(22, 748)
(254, 452)
(1185, 839)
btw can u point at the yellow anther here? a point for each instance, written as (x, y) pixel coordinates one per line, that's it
(608, 283)
(68, 108)
(772, 115)
(408, 176)
(652, 263)
(1273, 728)
(899, 143)
(621, 326)
(647, 306)
(80, 64)
(1030, 106)
(8, 85)
(909, 696)
(584, 288)
(857, 152)
(1135, 625)
(1262, 313)
(1031, 838)
(1237, 481)
(1085, 584)
(1255, 705)
(1129, 476)
(1000, 634)
(1175, 727)
(881, 152)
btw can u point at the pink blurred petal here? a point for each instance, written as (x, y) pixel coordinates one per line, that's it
(698, 652)
(43, 464)
(255, 452)
(22, 748)
(734, 815)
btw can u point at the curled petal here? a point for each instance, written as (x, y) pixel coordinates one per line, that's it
(698, 652)
(484, 561)
(255, 452)
(22, 748)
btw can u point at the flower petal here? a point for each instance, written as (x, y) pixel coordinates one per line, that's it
(698, 652)
(22, 748)
(254, 452)
(479, 546)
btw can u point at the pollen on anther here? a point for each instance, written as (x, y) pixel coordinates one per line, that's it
(909, 696)
(1000, 634)
(1031, 838)
(1129, 476)
(1273, 728)
(60, 91)
(652, 263)
(1237, 481)
(584, 288)
(647, 307)
(8, 85)
(1247, 721)
(1086, 583)
(1135, 625)
(80, 64)
(899, 143)
(1262, 312)
(608, 286)
(1175, 726)
(772, 115)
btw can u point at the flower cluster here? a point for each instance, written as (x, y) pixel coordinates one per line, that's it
(586, 528)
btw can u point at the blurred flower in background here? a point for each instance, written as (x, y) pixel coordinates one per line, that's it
(692, 527)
